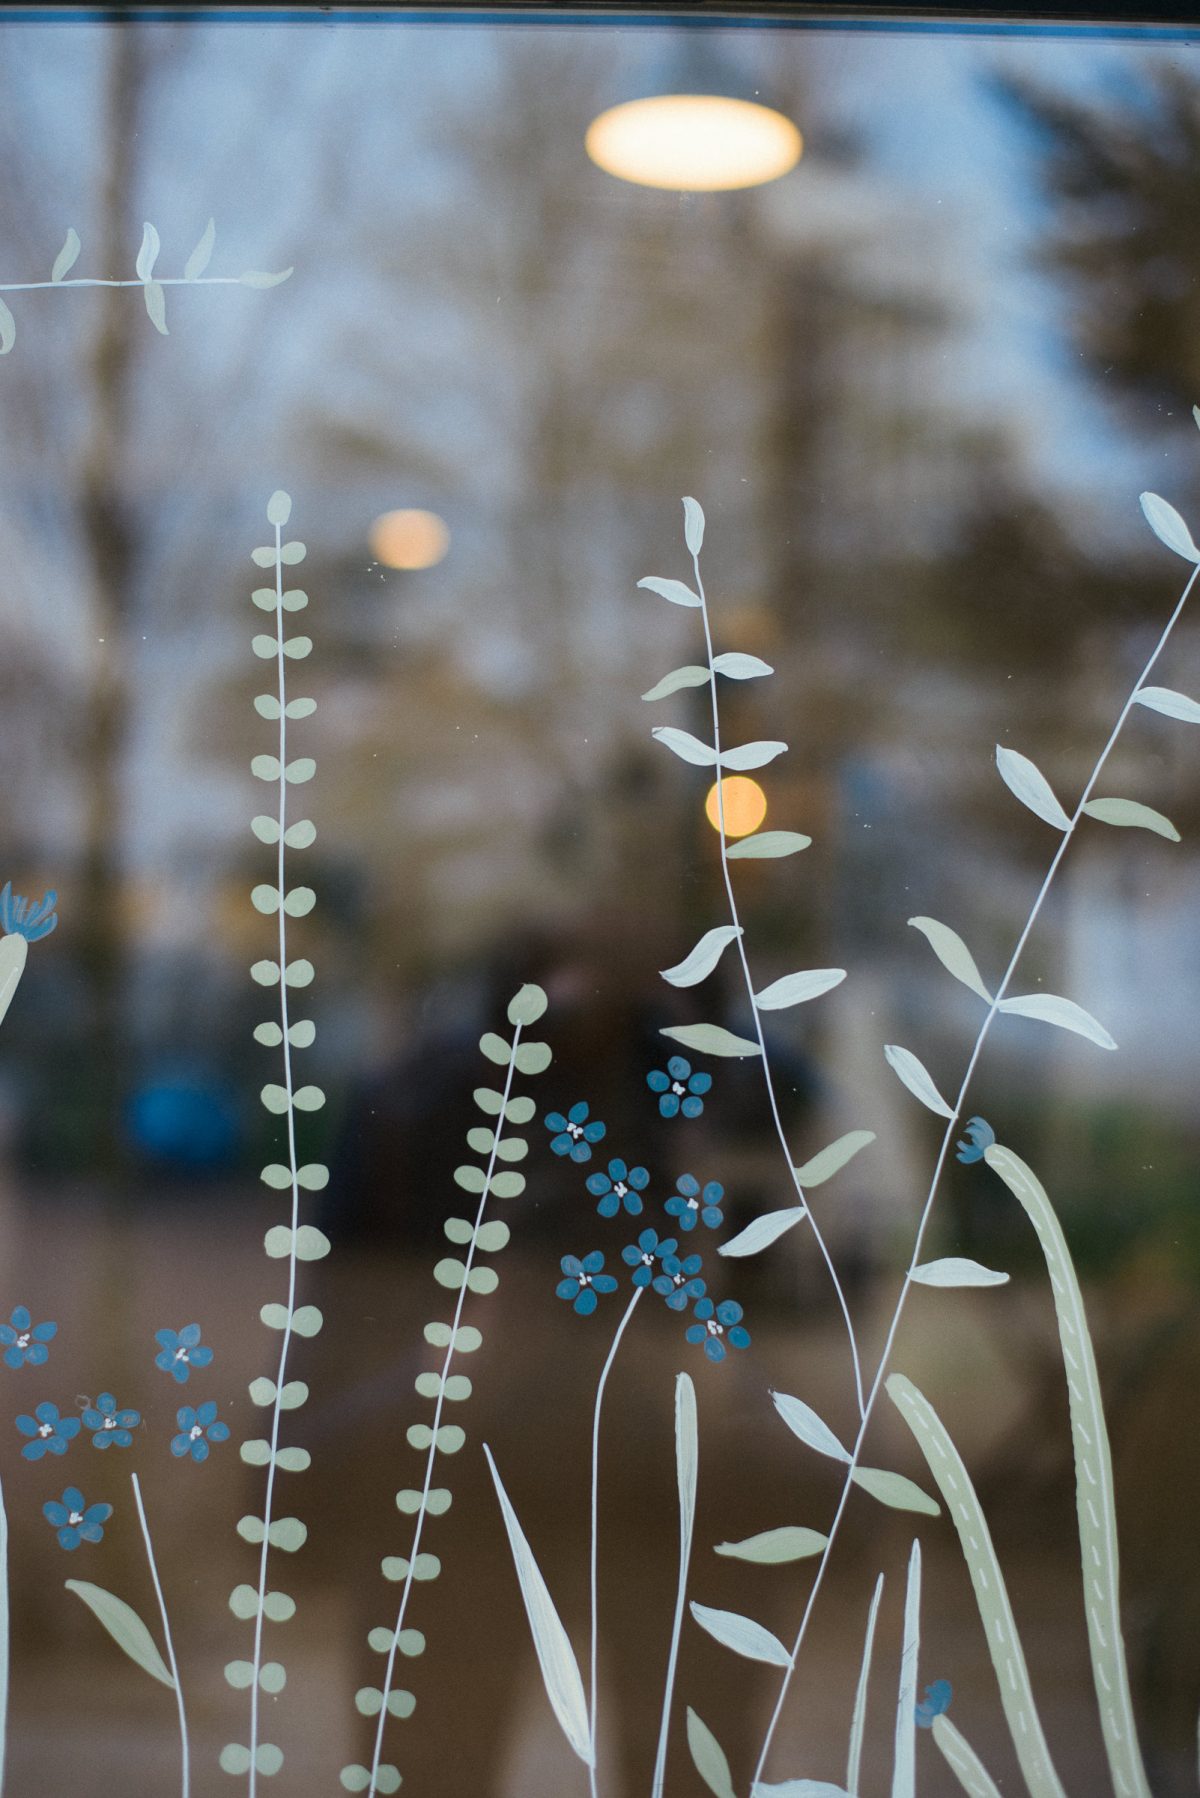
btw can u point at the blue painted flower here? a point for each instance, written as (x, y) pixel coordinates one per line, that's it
(584, 1280)
(25, 1340)
(20, 918)
(573, 1135)
(49, 1431)
(716, 1325)
(642, 1255)
(180, 1351)
(981, 1136)
(679, 1088)
(935, 1703)
(197, 1428)
(689, 1203)
(109, 1424)
(621, 1185)
(76, 1521)
(678, 1282)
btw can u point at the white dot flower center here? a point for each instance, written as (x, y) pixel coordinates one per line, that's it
(195, 1431)
(714, 1328)
(575, 1130)
(677, 1088)
(75, 1518)
(46, 1429)
(181, 1354)
(110, 1423)
(620, 1189)
(23, 1340)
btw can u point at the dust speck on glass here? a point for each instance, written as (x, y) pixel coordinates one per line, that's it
(365, 992)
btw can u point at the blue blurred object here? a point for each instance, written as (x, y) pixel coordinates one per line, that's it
(187, 1121)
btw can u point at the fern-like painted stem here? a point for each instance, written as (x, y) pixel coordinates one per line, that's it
(439, 1407)
(943, 1153)
(293, 1170)
(593, 1693)
(185, 1772)
(764, 1058)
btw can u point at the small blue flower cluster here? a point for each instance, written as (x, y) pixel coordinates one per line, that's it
(110, 1425)
(653, 1261)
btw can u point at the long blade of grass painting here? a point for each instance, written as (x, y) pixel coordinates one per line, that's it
(858, 1721)
(740, 940)
(389, 1672)
(686, 1463)
(595, 1549)
(185, 1772)
(939, 1166)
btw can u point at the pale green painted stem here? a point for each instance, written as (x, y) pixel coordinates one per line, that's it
(593, 1694)
(185, 1772)
(904, 1763)
(685, 1430)
(764, 1058)
(1095, 1498)
(963, 1761)
(939, 1165)
(389, 1672)
(858, 1720)
(154, 281)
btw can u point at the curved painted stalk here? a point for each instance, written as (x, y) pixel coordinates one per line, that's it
(858, 1719)
(991, 1594)
(686, 1444)
(1094, 1496)
(593, 1693)
(185, 1773)
(963, 1761)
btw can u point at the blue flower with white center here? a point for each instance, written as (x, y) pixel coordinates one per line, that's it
(642, 1255)
(679, 1089)
(679, 1283)
(980, 1136)
(76, 1521)
(197, 1428)
(20, 917)
(25, 1342)
(935, 1703)
(50, 1433)
(584, 1280)
(110, 1425)
(573, 1135)
(181, 1350)
(620, 1186)
(717, 1325)
(690, 1203)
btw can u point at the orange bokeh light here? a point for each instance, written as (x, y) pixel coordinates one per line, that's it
(409, 539)
(744, 804)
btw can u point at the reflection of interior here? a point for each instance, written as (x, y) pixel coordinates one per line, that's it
(917, 377)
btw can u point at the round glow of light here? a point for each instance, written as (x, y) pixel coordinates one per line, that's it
(694, 143)
(745, 805)
(409, 539)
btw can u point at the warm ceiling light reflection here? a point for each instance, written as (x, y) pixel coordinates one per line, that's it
(745, 805)
(696, 143)
(409, 539)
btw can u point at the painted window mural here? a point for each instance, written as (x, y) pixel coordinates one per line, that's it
(599, 946)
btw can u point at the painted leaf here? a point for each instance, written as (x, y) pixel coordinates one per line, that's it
(752, 755)
(904, 1765)
(687, 1460)
(762, 1232)
(556, 1658)
(14, 951)
(963, 1761)
(704, 957)
(858, 1719)
(254, 277)
(675, 591)
(690, 676)
(67, 257)
(711, 1039)
(527, 1005)
(913, 1073)
(767, 845)
(830, 1161)
(147, 256)
(8, 329)
(737, 666)
(125, 1627)
(1129, 813)
(1031, 787)
(957, 1270)
(1169, 527)
(156, 306)
(685, 746)
(742, 1635)
(795, 989)
(803, 1421)
(953, 954)
(198, 261)
(693, 525)
(1049, 1008)
(708, 1757)
(1169, 703)
(894, 1490)
(773, 1547)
